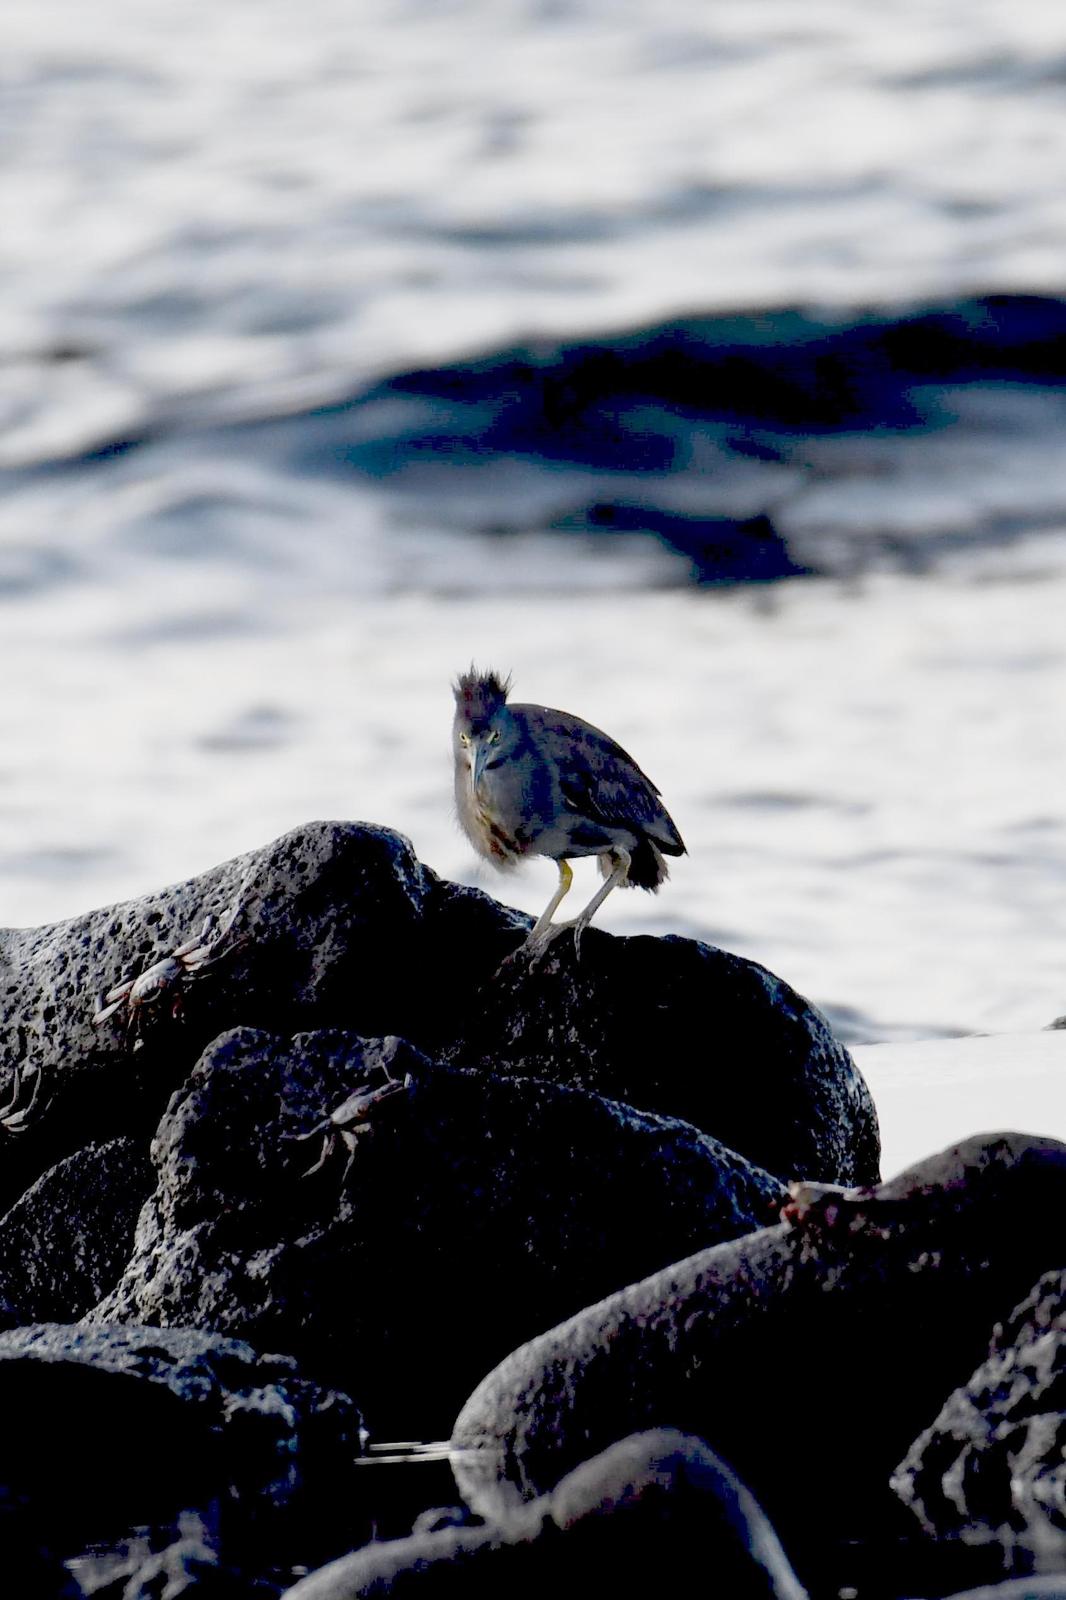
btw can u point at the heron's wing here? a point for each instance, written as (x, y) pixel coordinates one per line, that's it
(600, 780)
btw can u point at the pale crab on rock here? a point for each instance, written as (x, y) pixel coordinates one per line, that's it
(136, 992)
(353, 1119)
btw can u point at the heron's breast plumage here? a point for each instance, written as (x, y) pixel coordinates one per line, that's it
(489, 821)
(502, 845)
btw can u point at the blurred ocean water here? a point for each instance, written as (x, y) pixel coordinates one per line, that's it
(706, 366)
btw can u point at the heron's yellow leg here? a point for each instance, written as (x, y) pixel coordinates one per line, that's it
(566, 878)
(546, 931)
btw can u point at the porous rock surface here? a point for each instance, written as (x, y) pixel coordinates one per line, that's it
(829, 1339)
(66, 1240)
(677, 1026)
(475, 1212)
(339, 925)
(995, 1455)
(332, 918)
(649, 1512)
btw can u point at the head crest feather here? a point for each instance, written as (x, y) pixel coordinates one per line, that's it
(479, 694)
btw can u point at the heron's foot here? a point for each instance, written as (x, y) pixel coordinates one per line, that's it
(537, 945)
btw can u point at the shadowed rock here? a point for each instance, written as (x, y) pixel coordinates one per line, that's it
(651, 1508)
(679, 1027)
(475, 1213)
(808, 1354)
(996, 1454)
(217, 1406)
(64, 1243)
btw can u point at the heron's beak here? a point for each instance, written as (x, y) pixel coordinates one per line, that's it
(478, 756)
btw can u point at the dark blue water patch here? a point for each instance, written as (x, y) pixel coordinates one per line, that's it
(706, 432)
(719, 549)
(628, 401)
(786, 370)
(115, 449)
(704, 401)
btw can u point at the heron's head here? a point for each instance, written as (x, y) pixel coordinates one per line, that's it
(484, 727)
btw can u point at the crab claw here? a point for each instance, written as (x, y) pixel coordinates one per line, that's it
(112, 1000)
(16, 1118)
(103, 1010)
(16, 1087)
(206, 936)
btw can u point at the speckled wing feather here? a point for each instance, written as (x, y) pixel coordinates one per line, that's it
(599, 780)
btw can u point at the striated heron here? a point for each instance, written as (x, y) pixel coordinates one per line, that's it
(530, 781)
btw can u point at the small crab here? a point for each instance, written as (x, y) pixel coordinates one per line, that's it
(352, 1120)
(823, 1207)
(134, 993)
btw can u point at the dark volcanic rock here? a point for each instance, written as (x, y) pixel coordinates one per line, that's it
(146, 1413)
(808, 1354)
(29, 1568)
(678, 1027)
(476, 1212)
(120, 1443)
(331, 916)
(653, 1508)
(338, 925)
(64, 1243)
(996, 1454)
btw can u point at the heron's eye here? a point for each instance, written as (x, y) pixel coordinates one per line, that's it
(494, 736)
(464, 738)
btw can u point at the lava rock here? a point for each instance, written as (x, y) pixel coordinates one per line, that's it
(678, 1027)
(996, 1454)
(29, 1568)
(807, 1354)
(116, 1421)
(64, 1243)
(653, 1508)
(338, 925)
(324, 929)
(475, 1213)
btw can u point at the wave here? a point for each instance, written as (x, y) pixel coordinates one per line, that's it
(754, 446)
